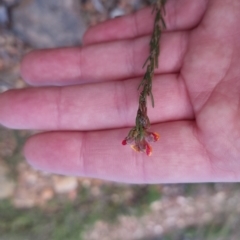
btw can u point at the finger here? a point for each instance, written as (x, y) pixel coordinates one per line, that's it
(180, 15)
(102, 62)
(177, 156)
(94, 106)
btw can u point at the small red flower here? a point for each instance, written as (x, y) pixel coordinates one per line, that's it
(135, 148)
(152, 136)
(156, 136)
(139, 141)
(148, 150)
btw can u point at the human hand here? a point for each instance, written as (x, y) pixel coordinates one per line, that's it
(196, 91)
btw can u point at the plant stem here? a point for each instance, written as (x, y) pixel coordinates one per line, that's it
(139, 134)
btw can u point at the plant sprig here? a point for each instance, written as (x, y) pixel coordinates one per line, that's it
(139, 136)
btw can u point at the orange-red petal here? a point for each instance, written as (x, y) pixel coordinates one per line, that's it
(148, 150)
(135, 148)
(156, 136)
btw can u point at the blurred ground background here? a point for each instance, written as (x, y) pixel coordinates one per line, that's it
(40, 206)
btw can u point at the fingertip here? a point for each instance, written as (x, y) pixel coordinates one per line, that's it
(27, 151)
(98, 33)
(109, 30)
(59, 66)
(26, 66)
(6, 109)
(53, 152)
(86, 40)
(36, 152)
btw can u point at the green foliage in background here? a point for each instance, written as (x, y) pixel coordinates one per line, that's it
(61, 219)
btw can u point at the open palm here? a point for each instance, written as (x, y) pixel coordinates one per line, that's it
(93, 103)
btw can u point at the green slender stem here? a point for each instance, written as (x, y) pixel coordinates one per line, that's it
(139, 133)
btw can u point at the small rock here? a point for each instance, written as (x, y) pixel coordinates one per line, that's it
(117, 12)
(47, 194)
(64, 184)
(7, 185)
(98, 6)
